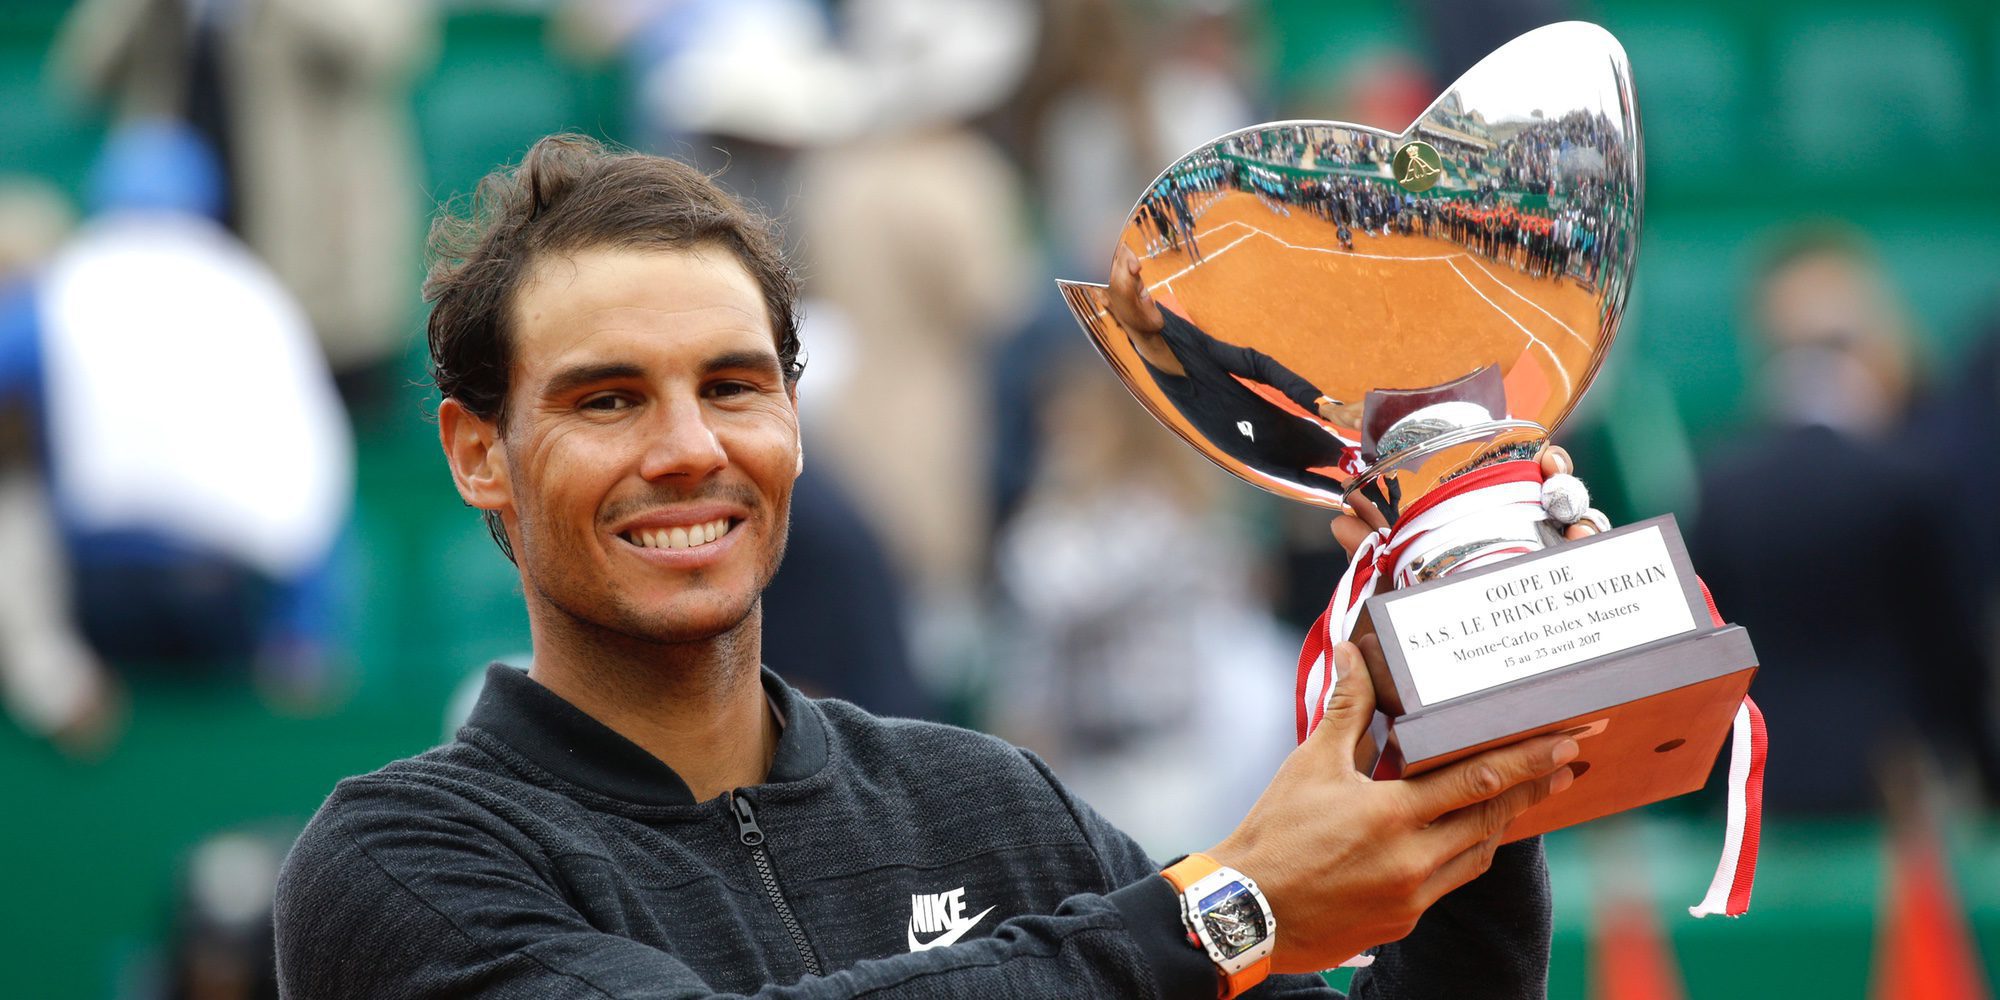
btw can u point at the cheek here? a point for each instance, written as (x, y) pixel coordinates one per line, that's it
(773, 459)
(565, 471)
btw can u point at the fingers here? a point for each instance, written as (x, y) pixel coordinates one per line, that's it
(1350, 704)
(1366, 752)
(1463, 867)
(1477, 832)
(1350, 531)
(1386, 698)
(1487, 775)
(1555, 461)
(1464, 828)
(1593, 522)
(1366, 510)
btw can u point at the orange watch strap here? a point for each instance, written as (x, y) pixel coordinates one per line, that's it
(1187, 872)
(1251, 976)
(1190, 870)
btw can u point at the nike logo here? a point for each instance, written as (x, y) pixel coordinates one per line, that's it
(941, 911)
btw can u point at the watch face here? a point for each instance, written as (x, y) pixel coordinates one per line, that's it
(1234, 920)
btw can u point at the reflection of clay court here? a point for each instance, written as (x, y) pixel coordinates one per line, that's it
(1396, 312)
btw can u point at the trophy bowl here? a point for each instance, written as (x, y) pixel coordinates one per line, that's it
(1335, 313)
(1343, 309)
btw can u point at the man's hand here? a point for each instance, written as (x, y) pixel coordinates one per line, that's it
(1339, 414)
(1348, 863)
(1129, 302)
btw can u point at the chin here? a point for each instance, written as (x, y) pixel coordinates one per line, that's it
(686, 620)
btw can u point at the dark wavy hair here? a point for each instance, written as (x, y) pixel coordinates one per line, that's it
(571, 193)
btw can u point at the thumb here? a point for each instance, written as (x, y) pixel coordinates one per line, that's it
(1350, 705)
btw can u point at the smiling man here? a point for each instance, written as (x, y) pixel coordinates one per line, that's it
(644, 460)
(648, 813)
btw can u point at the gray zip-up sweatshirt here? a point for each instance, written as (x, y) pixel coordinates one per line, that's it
(543, 855)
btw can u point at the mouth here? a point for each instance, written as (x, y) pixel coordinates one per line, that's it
(690, 536)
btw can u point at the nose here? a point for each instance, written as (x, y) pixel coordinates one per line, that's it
(680, 443)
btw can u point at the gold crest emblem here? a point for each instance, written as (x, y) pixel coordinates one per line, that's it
(1418, 167)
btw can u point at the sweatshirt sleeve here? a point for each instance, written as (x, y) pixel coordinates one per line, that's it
(1488, 938)
(403, 890)
(1246, 362)
(1151, 911)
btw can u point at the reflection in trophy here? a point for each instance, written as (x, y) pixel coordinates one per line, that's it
(1329, 310)
(1395, 323)
(1278, 422)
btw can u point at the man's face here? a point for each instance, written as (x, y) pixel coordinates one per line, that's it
(651, 441)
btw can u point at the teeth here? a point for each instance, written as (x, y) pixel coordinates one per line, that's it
(685, 537)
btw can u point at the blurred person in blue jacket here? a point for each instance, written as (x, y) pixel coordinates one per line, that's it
(197, 463)
(1869, 645)
(1957, 432)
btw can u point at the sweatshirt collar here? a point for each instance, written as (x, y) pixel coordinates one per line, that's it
(537, 723)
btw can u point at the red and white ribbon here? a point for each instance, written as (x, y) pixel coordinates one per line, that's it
(1503, 501)
(1736, 871)
(1498, 501)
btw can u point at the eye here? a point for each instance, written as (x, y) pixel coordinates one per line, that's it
(606, 403)
(724, 390)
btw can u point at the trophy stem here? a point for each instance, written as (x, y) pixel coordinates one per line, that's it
(1415, 471)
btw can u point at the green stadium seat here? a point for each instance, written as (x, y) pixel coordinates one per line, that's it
(1884, 95)
(1689, 69)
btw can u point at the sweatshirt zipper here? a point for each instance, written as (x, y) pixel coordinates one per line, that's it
(752, 837)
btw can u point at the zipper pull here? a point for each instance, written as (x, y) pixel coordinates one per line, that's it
(747, 829)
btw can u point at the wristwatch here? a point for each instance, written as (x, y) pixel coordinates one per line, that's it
(1228, 917)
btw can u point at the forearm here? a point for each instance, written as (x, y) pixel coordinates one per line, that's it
(348, 927)
(1247, 362)
(1127, 944)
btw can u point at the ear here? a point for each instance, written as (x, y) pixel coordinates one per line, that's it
(478, 462)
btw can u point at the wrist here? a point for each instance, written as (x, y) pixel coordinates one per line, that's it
(1226, 915)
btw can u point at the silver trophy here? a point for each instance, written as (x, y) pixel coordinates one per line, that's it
(1350, 309)
(1333, 312)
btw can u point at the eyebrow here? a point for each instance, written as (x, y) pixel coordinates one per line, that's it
(762, 361)
(575, 377)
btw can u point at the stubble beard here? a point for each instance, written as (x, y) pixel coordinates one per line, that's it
(591, 614)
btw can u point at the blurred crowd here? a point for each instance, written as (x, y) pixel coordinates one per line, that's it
(990, 530)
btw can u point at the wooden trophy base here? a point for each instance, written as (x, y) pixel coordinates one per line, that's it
(1610, 637)
(1650, 722)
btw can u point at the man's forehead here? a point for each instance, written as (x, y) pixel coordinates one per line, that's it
(619, 300)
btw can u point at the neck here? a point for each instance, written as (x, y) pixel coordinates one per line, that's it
(698, 706)
(1153, 347)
